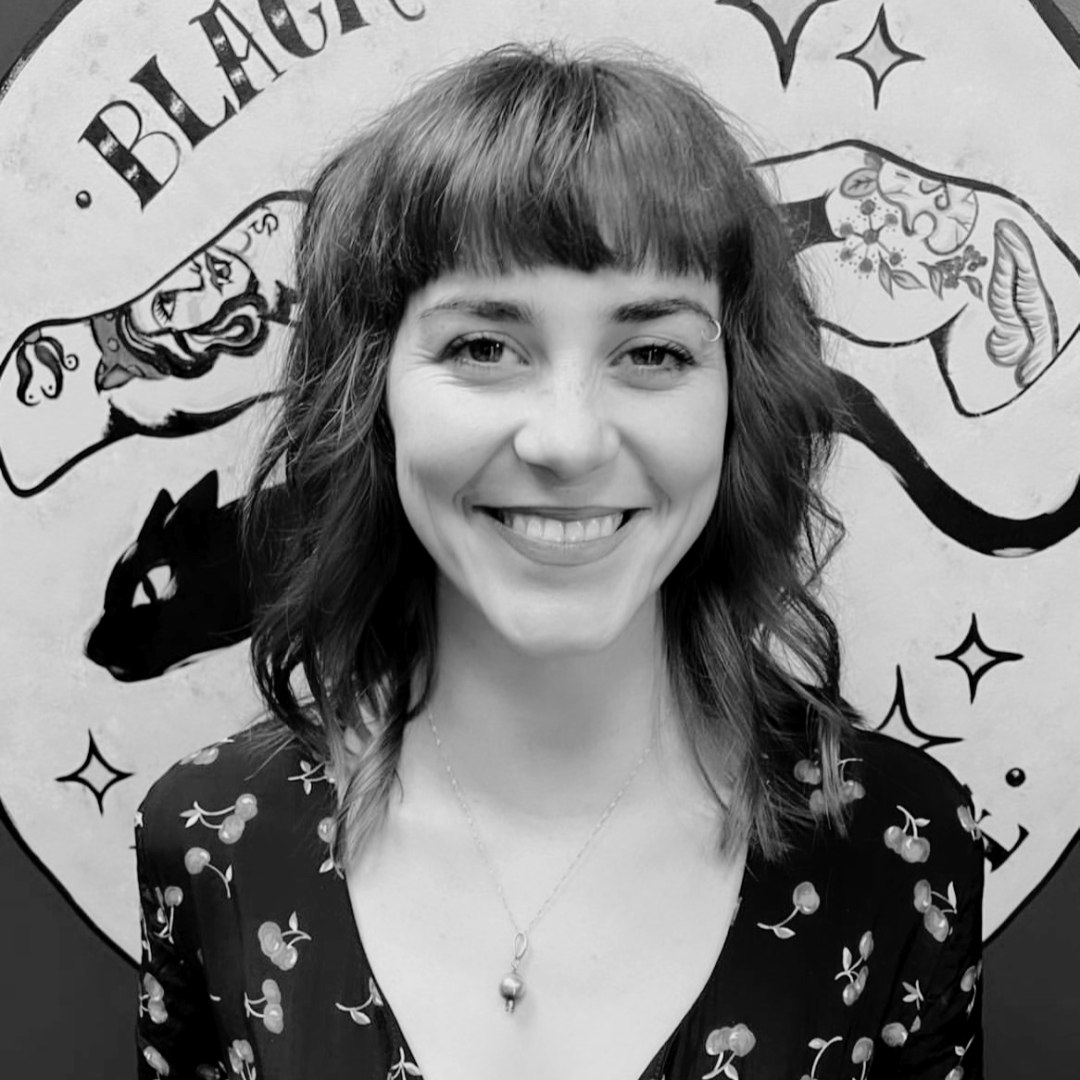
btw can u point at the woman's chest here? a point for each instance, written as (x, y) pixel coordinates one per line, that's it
(611, 968)
(609, 976)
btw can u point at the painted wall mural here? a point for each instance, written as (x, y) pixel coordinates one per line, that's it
(153, 164)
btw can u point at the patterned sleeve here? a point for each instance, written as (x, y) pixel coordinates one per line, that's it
(947, 1044)
(175, 1031)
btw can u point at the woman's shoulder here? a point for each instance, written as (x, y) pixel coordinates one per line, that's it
(893, 772)
(259, 758)
(258, 781)
(908, 807)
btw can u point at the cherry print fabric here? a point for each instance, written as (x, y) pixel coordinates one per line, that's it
(851, 958)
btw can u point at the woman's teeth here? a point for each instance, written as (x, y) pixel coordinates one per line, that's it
(558, 531)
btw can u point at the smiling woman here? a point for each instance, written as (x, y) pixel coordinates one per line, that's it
(555, 758)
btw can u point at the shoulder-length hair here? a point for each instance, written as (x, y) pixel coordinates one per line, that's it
(522, 158)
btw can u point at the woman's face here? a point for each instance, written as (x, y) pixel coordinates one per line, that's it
(559, 440)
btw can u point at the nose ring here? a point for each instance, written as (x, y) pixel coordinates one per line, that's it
(716, 336)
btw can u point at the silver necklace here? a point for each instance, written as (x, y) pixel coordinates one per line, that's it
(512, 986)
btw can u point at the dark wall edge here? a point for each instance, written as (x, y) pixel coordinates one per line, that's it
(7, 822)
(9, 76)
(1061, 26)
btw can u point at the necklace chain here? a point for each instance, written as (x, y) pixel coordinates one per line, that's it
(521, 936)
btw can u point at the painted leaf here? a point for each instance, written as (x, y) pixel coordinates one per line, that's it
(974, 284)
(885, 276)
(860, 183)
(817, 1044)
(952, 894)
(293, 922)
(937, 278)
(847, 958)
(730, 1071)
(921, 821)
(412, 1070)
(907, 280)
(228, 872)
(783, 932)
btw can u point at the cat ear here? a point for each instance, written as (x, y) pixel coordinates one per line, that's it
(200, 498)
(159, 513)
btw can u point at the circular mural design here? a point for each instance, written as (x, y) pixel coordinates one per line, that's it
(153, 162)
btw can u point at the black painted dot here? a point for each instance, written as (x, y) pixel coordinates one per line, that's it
(1015, 777)
(83, 200)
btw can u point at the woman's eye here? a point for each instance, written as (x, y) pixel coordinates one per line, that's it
(658, 358)
(483, 351)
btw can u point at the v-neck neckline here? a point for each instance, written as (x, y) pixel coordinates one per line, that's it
(655, 1067)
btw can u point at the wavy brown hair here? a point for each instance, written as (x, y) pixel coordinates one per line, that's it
(522, 158)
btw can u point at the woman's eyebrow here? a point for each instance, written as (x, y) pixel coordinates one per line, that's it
(647, 310)
(495, 310)
(637, 311)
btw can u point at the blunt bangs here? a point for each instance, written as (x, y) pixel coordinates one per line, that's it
(538, 161)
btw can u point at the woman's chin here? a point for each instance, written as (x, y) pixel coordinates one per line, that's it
(568, 633)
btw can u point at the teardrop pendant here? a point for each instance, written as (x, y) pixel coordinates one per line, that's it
(512, 989)
(512, 986)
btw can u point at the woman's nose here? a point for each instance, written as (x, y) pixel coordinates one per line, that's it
(566, 430)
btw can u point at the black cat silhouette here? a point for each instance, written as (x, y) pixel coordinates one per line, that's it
(180, 591)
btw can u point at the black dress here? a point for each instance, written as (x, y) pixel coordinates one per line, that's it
(852, 958)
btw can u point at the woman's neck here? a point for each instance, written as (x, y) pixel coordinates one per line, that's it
(544, 737)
